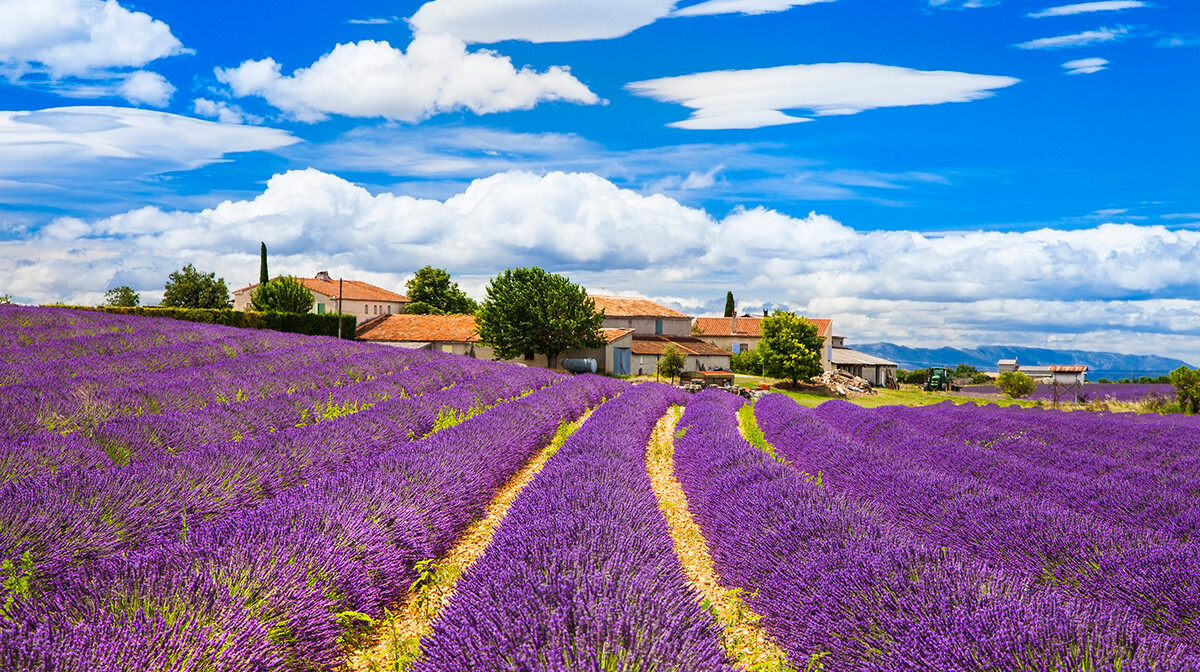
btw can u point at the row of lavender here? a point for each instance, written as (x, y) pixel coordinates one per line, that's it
(232, 493)
(582, 575)
(944, 538)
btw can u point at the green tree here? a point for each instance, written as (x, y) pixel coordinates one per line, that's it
(529, 311)
(122, 296)
(748, 362)
(284, 294)
(790, 347)
(967, 371)
(1187, 388)
(432, 293)
(263, 276)
(730, 304)
(671, 362)
(189, 288)
(1016, 384)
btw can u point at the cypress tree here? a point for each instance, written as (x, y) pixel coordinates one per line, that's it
(263, 276)
(729, 305)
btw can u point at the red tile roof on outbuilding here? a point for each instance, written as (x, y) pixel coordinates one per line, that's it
(352, 290)
(750, 326)
(646, 344)
(421, 329)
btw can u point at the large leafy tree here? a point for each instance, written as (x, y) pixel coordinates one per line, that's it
(529, 311)
(122, 296)
(284, 294)
(790, 347)
(189, 288)
(431, 292)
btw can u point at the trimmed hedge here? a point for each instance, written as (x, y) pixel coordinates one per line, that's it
(312, 324)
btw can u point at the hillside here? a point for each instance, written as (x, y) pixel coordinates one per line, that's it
(984, 358)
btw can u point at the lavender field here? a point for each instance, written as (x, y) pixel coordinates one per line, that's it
(1120, 392)
(179, 496)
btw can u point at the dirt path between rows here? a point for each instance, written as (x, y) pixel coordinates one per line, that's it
(747, 644)
(399, 637)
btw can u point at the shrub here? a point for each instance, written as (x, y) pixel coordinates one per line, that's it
(1016, 384)
(747, 362)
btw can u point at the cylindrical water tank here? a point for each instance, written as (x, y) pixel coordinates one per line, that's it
(580, 365)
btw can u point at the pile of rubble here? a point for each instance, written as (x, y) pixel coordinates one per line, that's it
(842, 383)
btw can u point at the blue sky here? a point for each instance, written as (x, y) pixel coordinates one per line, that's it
(927, 172)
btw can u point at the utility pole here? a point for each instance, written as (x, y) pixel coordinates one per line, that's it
(340, 316)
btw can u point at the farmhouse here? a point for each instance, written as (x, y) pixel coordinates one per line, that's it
(457, 334)
(356, 297)
(741, 333)
(654, 327)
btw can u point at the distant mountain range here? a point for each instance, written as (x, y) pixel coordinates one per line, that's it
(1112, 365)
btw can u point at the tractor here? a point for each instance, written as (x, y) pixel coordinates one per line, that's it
(939, 379)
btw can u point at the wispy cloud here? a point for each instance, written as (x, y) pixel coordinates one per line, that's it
(962, 4)
(1175, 41)
(714, 7)
(1085, 66)
(373, 79)
(1088, 8)
(540, 21)
(733, 99)
(1084, 39)
(377, 21)
(488, 21)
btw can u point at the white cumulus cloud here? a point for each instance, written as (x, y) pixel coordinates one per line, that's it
(93, 40)
(903, 286)
(374, 79)
(1085, 66)
(1084, 39)
(755, 98)
(1088, 7)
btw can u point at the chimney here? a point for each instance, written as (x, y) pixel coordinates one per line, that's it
(324, 276)
(765, 314)
(733, 324)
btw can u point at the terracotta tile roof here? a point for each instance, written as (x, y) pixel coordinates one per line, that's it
(1073, 368)
(751, 326)
(421, 329)
(627, 306)
(645, 344)
(352, 290)
(611, 335)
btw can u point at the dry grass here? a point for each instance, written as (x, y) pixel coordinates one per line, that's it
(748, 645)
(398, 635)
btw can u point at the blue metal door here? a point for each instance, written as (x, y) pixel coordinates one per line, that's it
(621, 357)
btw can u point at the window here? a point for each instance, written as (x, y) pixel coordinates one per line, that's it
(389, 309)
(320, 309)
(658, 327)
(366, 309)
